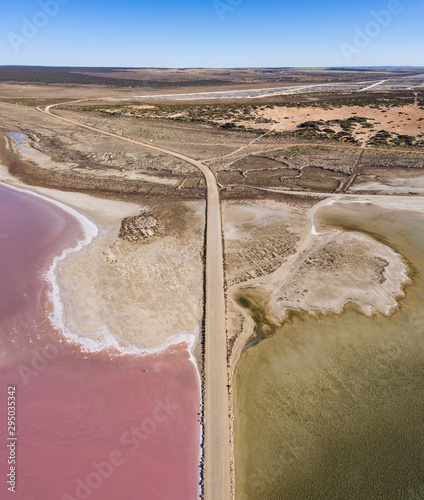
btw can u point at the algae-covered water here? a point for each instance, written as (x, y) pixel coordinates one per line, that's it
(333, 408)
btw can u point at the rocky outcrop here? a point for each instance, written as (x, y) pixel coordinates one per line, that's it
(138, 227)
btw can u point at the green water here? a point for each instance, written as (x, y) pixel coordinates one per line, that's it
(333, 408)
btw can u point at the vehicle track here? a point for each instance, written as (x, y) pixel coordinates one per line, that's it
(217, 483)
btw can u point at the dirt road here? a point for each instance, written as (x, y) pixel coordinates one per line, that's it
(216, 473)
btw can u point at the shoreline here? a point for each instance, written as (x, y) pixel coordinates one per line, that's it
(108, 214)
(387, 202)
(90, 229)
(248, 324)
(326, 366)
(67, 390)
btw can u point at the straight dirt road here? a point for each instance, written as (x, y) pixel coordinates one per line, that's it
(217, 444)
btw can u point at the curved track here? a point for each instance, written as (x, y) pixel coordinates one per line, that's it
(216, 472)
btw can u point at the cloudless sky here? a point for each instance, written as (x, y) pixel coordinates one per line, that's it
(211, 33)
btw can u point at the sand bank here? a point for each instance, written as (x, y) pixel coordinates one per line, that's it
(148, 296)
(331, 404)
(324, 270)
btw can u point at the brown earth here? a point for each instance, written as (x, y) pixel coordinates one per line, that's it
(156, 251)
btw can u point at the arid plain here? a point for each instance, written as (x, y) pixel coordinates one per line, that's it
(309, 192)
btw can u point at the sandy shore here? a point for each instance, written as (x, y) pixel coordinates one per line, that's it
(322, 269)
(363, 271)
(146, 293)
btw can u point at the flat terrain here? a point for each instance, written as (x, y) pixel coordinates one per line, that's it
(166, 170)
(217, 483)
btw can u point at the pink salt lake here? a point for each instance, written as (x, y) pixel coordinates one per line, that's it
(102, 425)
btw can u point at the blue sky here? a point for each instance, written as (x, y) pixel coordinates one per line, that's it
(212, 33)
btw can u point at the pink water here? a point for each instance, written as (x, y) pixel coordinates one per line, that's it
(89, 425)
